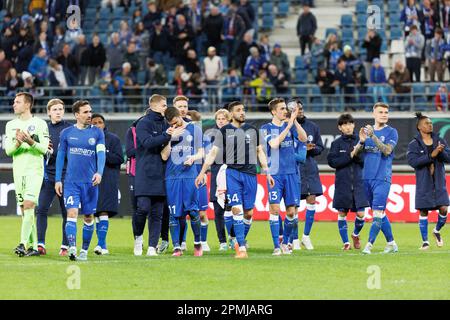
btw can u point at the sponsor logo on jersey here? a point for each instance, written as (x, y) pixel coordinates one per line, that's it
(82, 152)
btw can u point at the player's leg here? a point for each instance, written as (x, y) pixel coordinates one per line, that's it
(183, 233)
(204, 222)
(359, 224)
(45, 200)
(290, 224)
(234, 196)
(275, 195)
(143, 204)
(376, 224)
(174, 226)
(165, 226)
(442, 219)
(32, 189)
(309, 220)
(138, 238)
(89, 200)
(381, 193)
(156, 212)
(291, 196)
(281, 231)
(175, 209)
(343, 228)
(220, 226)
(25, 232)
(101, 228)
(65, 242)
(228, 218)
(250, 186)
(423, 226)
(71, 229)
(190, 198)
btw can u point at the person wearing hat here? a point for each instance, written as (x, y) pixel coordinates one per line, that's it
(280, 59)
(377, 81)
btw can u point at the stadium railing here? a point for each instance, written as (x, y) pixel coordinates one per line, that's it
(135, 99)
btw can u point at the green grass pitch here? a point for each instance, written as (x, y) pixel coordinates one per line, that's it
(325, 273)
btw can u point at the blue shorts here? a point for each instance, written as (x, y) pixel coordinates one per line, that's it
(83, 196)
(182, 196)
(286, 187)
(347, 210)
(241, 189)
(203, 198)
(377, 192)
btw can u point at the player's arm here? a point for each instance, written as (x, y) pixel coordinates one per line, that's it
(114, 156)
(359, 148)
(196, 157)
(337, 159)
(301, 133)
(385, 148)
(417, 159)
(144, 133)
(199, 146)
(444, 155)
(43, 137)
(165, 153)
(101, 159)
(264, 164)
(11, 144)
(209, 160)
(300, 152)
(60, 160)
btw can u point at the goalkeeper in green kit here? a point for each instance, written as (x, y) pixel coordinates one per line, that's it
(27, 140)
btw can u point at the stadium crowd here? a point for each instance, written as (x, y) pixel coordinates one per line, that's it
(193, 47)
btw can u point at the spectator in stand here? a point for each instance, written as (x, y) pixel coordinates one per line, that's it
(317, 52)
(142, 39)
(152, 16)
(191, 63)
(351, 60)
(180, 80)
(59, 77)
(24, 39)
(194, 89)
(13, 83)
(435, 51)
(246, 6)
(30, 85)
(414, 45)
(155, 74)
(68, 61)
(377, 81)
(171, 19)
(231, 90)
(446, 17)
(345, 77)
(263, 89)
(242, 13)
(429, 19)
(194, 15)
(8, 42)
(213, 69)
(160, 45)
(213, 26)
(114, 53)
(79, 52)
(38, 66)
(5, 66)
(327, 83)
(125, 33)
(137, 18)
(15, 8)
(442, 98)
(184, 35)
(278, 80)
(73, 33)
(58, 41)
(372, 43)
(255, 62)
(42, 43)
(397, 79)
(132, 57)
(233, 33)
(224, 7)
(306, 28)
(243, 51)
(264, 46)
(332, 55)
(280, 59)
(410, 15)
(96, 58)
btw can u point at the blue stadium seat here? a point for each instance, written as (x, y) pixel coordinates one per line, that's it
(396, 33)
(283, 8)
(418, 88)
(299, 63)
(267, 8)
(301, 92)
(301, 76)
(268, 22)
(316, 100)
(361, 20)
(119, 13)
(91, 13)
(361, 7)
(346, 20)
(393, 7)
(347, 34)
(329, 31)
(361, 34)
(394, 19)
(141, 77)
(103, 25)
(88, 24)
(105, 14)
(379, 3)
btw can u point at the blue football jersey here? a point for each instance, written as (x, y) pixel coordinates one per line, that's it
(187, 145)
(80, 147)
(376, 165)
(282, 159)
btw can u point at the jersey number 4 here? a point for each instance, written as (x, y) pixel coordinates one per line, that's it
(234, 199)
(69, 201)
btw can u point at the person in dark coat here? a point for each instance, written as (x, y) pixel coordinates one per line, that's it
(152, 135)
(108, 193)
(349, 192)
(427, 154)
(55, 110)
(213, 25)
(311, 187)
(306, 28)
